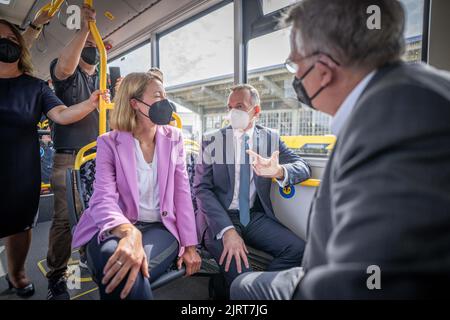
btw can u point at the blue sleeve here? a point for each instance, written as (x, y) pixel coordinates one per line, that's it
(297, 168)
(48, 99)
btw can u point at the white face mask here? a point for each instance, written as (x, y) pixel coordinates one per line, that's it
(239, 119)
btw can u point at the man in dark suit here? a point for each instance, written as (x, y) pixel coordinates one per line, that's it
(232, 186)
(380, 219)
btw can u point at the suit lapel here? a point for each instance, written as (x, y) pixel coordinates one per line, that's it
(230, 166)
(126, 152)
(255, 148)
(164, 156)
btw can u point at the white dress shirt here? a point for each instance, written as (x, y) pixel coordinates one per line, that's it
(147, 177)
(238, 134)
(346, 108)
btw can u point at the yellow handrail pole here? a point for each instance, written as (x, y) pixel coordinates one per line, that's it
(103, 105)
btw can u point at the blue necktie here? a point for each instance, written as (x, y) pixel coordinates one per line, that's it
(244, 184)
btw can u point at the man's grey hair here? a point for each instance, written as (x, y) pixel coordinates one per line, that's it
(339, 28)
(256, 101)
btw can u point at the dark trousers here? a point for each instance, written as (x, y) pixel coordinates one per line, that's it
(161, 248)
(60, 237)
(265, 234)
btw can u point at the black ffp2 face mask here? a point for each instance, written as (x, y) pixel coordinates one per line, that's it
(90, 55)
(160, 112)
(300, 90)
(9, 51)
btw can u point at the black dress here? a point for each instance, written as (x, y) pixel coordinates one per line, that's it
(22, 101)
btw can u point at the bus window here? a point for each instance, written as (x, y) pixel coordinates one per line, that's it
(280, 108)
(414, 29)
(269, 6)
(137, 60)
(197, 61)
(266, 72)
(200, 50)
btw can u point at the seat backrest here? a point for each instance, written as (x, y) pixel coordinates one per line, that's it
(191, 159)
(85, 181)
(291, 205)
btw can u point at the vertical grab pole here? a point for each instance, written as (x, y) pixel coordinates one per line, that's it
(103, 105)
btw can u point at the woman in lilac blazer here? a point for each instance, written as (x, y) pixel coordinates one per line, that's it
(140, 217)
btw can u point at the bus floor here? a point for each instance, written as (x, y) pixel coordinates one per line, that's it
(195, 288)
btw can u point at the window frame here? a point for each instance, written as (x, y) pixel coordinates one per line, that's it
(265, 24)
(255, 25)
(250, 23)
(130, 50)
(426, 29)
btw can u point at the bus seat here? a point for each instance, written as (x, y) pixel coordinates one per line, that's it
(191, 158)
(291, 204)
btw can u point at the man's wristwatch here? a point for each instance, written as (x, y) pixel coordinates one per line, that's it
(35, 27)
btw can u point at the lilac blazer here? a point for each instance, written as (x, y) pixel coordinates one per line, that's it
(115, 198)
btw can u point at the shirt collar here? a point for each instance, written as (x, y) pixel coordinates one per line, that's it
(349, 103)
(239, 133)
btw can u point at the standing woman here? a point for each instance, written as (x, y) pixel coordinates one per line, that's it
(23, 99)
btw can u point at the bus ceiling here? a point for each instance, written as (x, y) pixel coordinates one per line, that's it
(127, 23)
(121, 23)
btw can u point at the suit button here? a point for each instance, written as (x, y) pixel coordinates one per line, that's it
(164, 214)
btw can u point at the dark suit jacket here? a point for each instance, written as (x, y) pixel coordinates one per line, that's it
(214, 180)
(385, 194)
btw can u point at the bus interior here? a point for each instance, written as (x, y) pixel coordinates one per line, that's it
(203, 47)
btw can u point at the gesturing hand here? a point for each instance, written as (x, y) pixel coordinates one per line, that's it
(267, 167)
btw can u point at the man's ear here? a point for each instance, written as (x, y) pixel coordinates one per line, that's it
(326, 73)
(257, 110)
(327, 67)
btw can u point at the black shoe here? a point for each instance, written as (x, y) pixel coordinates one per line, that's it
(24, 292)
(218, 288)
(83, 262)
(57, 289)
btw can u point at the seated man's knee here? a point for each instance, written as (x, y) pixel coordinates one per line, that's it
(295, 250)
(241, 288)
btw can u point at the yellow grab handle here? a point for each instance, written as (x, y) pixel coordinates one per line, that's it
(55, 7)
(314, 183)
(51, 7)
